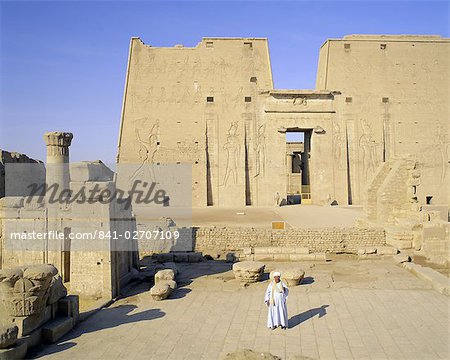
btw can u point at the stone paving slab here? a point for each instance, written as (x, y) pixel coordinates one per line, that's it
(369, 309)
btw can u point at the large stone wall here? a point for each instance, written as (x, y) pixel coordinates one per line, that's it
(334, 240)
(214, 106)
(394, 102)
(196, 105)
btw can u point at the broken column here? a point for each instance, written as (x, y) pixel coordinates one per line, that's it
(57, 172)
(57, 195)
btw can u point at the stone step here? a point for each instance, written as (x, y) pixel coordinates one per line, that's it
(56, 329)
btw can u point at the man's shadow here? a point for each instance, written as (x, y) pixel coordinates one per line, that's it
(298, 319)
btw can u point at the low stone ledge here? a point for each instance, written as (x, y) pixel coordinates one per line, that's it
(56, 329)
(387, 250)
(439, 282)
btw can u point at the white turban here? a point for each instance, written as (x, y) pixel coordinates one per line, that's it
(276, 273)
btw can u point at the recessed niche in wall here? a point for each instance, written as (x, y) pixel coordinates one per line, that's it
(248, 45)
(210, 99)
(346, 46)
(248, 99)
(385, 99)
(253, 79)
(348, 99)
(209, 44)
(383, 46)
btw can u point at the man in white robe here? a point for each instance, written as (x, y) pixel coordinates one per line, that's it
(276, 296)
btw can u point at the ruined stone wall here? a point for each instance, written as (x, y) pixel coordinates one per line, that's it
(334, 240)
(7, 157)
(394, 102)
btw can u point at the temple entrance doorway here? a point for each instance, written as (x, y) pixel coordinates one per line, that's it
(298, 149)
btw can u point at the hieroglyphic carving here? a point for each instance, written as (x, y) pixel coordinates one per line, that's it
(233, 149)
(260, 151)
(337, 145)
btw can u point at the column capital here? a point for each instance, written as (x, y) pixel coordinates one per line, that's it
(58, 138)
(58, 143)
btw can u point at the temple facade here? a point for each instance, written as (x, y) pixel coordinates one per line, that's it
(214, 106)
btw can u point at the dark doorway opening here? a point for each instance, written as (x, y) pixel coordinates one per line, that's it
(298, 148)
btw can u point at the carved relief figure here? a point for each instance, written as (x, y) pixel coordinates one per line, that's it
(232, 149)
(260, 151)
(148, 148)
(369, 149)
(443, 150)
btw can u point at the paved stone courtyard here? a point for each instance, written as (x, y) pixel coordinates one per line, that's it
(345, 309)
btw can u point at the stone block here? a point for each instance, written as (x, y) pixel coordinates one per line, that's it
(287, 250)
(320, 257)
(367, 250)
(172, 284)
(160, 291)
(387, 250)
(248, 271)
(166, 274)
(19, 351)
(69, 307)
(263, 257)
(165, 257)
(34, 338)
(275, 250)
(57, 290)
(301, 250)
(231, 258)
(168, 265)
(400, 244)
(8, 335)
(296, 257)
(195, 257)
(180, 257)
(292, 277)
(261, 250)
(56, 329)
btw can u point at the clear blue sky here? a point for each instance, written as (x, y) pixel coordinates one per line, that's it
(63, 63)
